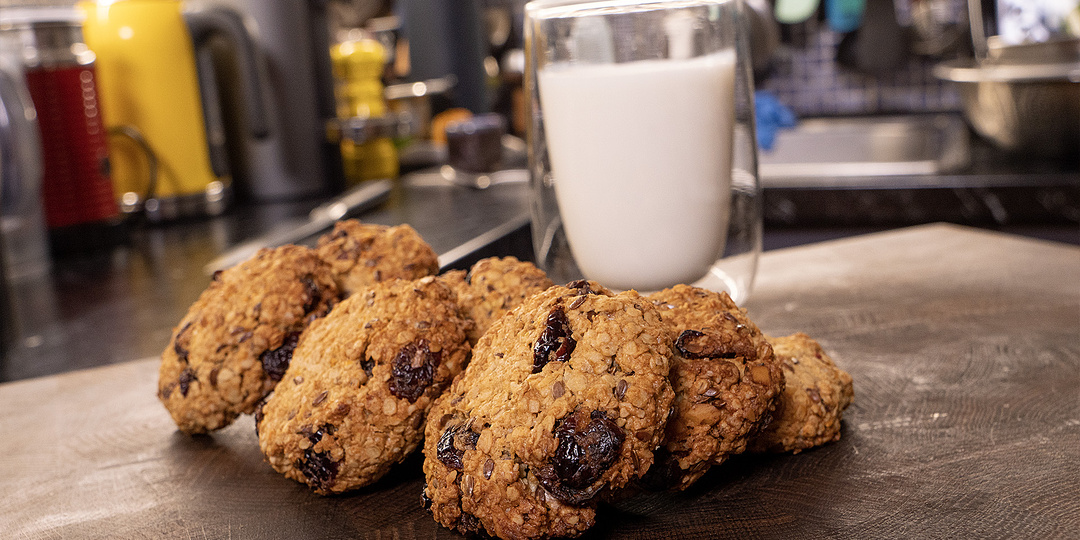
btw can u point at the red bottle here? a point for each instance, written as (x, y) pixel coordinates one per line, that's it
(80, 206)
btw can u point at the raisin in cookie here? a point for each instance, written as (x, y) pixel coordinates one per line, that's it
(564, 401)
(361, 254)
(725, 377)
(809, 411)
(235, 341)
(361, 380)
(493, 287)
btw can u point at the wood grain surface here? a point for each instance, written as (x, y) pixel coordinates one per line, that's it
(964, 346)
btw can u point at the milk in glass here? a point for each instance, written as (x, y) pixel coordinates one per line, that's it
(641, 160)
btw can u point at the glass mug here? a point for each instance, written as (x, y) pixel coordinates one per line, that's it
(642, 152)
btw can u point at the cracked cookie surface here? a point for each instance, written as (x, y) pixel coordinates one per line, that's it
(354, 399)
(235, 342)
(493, 287)
(361, 254)
(563, 403)
(810, 410)
(725, 377)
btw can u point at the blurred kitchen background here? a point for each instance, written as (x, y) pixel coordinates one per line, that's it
(141, 140)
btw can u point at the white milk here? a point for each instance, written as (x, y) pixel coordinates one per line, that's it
(641, 158)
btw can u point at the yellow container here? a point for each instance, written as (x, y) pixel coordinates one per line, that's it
(148, 80)
(358, 67)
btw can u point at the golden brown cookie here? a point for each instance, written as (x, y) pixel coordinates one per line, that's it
(809, 411)
(354, 399)
(493, 287)
(564, 402)
(235, 341)
(725, 379)
(361, 254)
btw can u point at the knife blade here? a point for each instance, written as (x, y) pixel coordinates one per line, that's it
(352, 202)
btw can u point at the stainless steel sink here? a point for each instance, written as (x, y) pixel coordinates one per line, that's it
(865, 152)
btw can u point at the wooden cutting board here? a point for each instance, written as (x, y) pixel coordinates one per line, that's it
(964, 346)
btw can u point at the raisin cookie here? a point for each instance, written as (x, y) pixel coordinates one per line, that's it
(563, 403)
(809, 411)
(493, 287)
(361, 380)
(361, 254)
(725, 377)
(235, 341)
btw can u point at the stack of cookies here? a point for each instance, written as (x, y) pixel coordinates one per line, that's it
(532, 402)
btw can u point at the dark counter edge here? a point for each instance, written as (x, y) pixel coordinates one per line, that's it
(1048, 210)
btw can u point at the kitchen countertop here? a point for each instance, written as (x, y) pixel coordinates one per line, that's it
(962, 344)
(123, 304)
(120, 305)
(994, 190)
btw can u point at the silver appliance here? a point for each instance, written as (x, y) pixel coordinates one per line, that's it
(295, 159)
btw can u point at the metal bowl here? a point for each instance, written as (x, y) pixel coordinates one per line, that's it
(1022, 107)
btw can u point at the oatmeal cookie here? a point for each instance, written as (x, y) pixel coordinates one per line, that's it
(235, 341)
(563, 402)
(354, 398)
(725, 377)
(361, 254)
(809, 411)
(493, 287)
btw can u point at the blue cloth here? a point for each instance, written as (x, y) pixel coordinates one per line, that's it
(772, 116)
